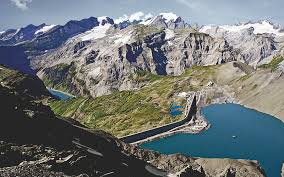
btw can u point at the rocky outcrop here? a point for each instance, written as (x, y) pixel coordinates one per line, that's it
(28, 86)
(179, 165)
(251, 48)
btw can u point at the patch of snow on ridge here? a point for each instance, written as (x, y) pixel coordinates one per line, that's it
(169, 16)
(95, 33)
(182, 95)
(1, 32)
(123, 39)
(169, 34)
(45, 29)
(95, 72)
(204, 29)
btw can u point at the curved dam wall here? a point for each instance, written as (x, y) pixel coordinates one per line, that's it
(190, 111)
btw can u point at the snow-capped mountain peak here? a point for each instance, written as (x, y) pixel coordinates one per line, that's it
(169, 16)
(104, 20)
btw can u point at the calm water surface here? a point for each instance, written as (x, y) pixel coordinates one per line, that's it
(236, 132)
(60, 95)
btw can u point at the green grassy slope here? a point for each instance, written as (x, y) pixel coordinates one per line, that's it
(128, 112)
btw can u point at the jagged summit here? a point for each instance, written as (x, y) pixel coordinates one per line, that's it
(166, 20)
(45, 29)
(169, 16)
(162, 20)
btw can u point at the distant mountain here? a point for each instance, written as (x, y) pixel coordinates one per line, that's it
(167, 20)
(260, 27)
(59, 34)
(11, 37)
(257, 42)
(163, 20)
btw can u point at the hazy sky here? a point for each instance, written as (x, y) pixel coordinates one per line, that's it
(17, 13)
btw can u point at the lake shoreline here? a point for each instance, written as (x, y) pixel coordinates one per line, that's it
(69, 94)
(232, 130)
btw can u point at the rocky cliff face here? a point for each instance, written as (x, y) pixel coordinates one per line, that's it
(254, 42)
(179, 165)
(110, 63)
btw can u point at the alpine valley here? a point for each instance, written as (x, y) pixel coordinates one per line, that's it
(131, 81)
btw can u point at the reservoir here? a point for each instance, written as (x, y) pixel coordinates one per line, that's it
(236, 132)
(60, 95)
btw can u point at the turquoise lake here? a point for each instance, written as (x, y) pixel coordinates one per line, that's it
(60, 95)
(257, 136)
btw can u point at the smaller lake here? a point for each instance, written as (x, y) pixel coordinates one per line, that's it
(175, 110)
(60, 95)
(236, 132)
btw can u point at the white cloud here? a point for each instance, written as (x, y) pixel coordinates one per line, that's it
(121, 19)
(189, 3)
(21, 4)
(135, 16)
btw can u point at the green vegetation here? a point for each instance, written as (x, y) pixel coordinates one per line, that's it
(144, 76)
(254, 86)
(144, 31)
(60, 77)
(5, 73)
(273, 64)
(245, 77)
(128, 112)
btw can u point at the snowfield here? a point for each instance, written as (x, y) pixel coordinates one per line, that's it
(169, 16)
(95, 72)
(259, 28)
(45, 29)
(123, 39)
(95, 33)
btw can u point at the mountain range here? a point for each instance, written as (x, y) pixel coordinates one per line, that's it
(97, 56)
